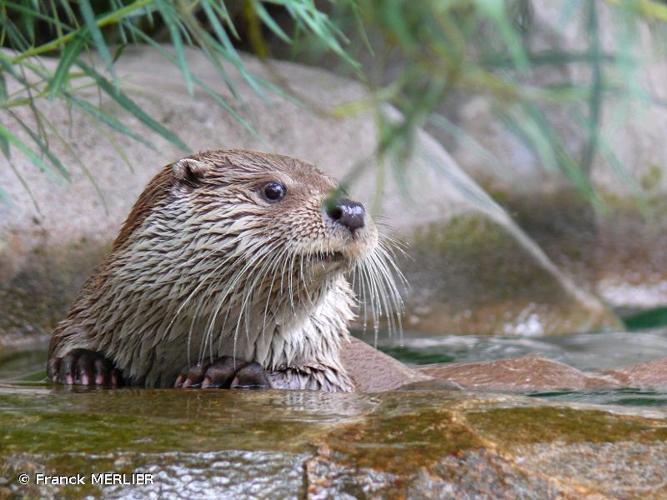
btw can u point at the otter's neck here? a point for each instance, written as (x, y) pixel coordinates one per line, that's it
(304, 351)
(314, 333)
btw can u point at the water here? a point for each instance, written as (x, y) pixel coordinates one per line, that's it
(587, 352)
(620, 397)
(285, 444)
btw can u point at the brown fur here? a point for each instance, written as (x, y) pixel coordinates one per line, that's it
(158, 189)
(200, 246)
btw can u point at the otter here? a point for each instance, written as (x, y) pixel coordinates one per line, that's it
(230, 271)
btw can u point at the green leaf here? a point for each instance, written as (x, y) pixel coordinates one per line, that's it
(4, 143)
(653, 318)
(9, 136)
(35, 14)
(23, 183)
(107, 119)
(595, 99)
(44, 148)
(27, 20)
(269, 22)
(221, 9)
(219, 99)
(119, 51)
(98, 38)
(171, 20)
(67, 58)
(132, 107)
(496, 11)
(229, 52)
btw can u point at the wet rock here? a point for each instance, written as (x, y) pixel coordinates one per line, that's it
(451, 450)
(46, 255)
(652, 374)
(373, 371)
(469, 275)
(293, 444)
(534, 373)
(614, 470)
(527, 373)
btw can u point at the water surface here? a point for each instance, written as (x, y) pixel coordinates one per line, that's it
(585, 351)
(588, 352)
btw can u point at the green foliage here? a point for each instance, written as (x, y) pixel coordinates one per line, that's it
(71, 30)
(430, 53)
(418, 57)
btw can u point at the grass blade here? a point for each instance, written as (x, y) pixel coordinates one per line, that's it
(9, 136)
(25, 185)
(4, 143)
(44, 147)
(171, 20)
(269, 22)
(96, 34)
(219, 99)
(77, 158)
(230, 52)
(132, 107)
(496, 11)
(69, 55)
(595, 100)
(107, 119)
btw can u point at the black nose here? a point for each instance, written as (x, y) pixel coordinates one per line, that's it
(347, 212)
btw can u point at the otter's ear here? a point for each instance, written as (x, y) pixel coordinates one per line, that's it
(189, 171)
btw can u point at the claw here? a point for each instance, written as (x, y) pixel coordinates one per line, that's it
(226, 372)
(83, 367)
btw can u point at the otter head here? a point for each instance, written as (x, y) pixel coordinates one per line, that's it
(278, 207)
(237, 230)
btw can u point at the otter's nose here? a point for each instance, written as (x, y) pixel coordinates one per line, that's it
(348, 213)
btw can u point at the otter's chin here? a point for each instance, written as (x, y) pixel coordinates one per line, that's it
(339, 260)
(331, 262)
(341, 253)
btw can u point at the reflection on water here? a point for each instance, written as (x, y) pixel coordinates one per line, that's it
(621, 397)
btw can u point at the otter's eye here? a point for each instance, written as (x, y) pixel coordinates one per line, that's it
(274, 191)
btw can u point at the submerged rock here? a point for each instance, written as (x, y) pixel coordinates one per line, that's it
(473, 269)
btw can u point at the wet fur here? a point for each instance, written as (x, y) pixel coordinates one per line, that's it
(203, 267)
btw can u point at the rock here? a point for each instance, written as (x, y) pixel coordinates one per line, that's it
(619, 251)
(651, 375)
(426, 443)
(374, 371)
(533, 373)
(527, 373)
(473, 270)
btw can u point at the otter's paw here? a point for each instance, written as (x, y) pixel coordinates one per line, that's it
(225, 373)
(83, 367)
